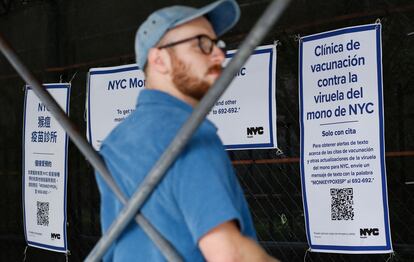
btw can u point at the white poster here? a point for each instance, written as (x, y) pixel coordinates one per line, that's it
(45, 171)
(112, 96)
(343, 172)
(245, 115)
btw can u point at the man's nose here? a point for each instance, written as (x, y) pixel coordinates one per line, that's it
(218, 55)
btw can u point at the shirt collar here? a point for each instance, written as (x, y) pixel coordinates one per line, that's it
(152, 96)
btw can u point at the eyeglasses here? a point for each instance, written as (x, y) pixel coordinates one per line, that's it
(205, 43)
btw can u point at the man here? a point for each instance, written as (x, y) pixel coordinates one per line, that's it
(199, 206)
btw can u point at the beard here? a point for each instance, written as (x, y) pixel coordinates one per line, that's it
(186, 82)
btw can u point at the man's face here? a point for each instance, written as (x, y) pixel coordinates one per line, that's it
(193, 72)
(190, 83)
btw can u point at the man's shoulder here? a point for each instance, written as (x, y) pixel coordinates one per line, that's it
(146, 129)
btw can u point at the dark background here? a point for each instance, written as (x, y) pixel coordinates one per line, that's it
(60, 39)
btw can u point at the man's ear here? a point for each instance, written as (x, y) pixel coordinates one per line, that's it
(159, 60)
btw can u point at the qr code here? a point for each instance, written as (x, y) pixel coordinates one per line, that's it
(43, 213)
(342, 204)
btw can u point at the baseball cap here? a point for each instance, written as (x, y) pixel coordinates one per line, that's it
(222, 15)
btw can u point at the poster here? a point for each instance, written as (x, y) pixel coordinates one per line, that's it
(112, 96)
(342, 141)
(245, 115)
(45, 171)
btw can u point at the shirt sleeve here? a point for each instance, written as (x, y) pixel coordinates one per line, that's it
(205, 186)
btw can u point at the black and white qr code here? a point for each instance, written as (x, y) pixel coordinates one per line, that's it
(342, 204)
(43, 213)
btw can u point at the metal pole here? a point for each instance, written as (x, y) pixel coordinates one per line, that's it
(255, 36)
(86, 149)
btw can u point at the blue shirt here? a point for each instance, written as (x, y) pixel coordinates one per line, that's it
(199, 192)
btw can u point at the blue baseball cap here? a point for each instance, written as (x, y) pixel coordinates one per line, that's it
(222, 15)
